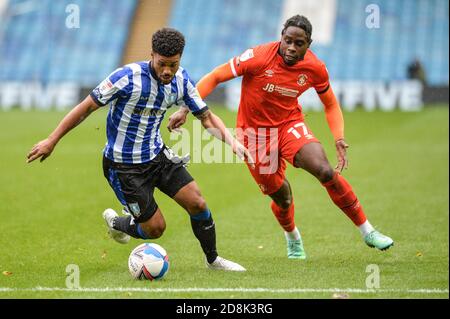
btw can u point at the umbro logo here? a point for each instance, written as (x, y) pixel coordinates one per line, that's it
(269, 73)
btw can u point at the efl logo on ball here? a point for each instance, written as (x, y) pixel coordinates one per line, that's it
(148, 261)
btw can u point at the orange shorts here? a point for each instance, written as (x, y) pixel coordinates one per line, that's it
(271, 148)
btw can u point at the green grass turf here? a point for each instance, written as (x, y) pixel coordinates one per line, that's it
(51, 215)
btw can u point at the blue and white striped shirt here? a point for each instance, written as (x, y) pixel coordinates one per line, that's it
(138, 103)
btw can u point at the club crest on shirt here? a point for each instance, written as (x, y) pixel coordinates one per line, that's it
(172, 98)
(135, 210)
(302, 79)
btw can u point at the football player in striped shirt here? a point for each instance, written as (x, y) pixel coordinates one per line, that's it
(274, 76)
(135, 159)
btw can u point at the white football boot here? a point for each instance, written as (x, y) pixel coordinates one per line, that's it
(224, 264)
(109, 215)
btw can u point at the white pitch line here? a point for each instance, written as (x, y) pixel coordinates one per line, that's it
(268, 290)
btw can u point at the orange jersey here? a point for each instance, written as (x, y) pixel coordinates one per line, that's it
(270, 87)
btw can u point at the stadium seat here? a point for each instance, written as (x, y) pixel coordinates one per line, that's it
(219, 30)
(36, 47)
(410, 29)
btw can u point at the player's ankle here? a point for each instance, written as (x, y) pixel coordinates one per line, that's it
(365, 228)
(293, 234)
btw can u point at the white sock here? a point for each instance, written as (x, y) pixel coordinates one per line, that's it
(366, 228)
(293, 235)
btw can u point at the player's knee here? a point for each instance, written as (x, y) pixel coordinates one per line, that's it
(155, 231)
(286, 203)
(283, 197)
(325, 173)
(283, 202)
(154, 228)
(297, 160)
(197, 205)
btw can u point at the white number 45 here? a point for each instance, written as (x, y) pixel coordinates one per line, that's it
(296, 132)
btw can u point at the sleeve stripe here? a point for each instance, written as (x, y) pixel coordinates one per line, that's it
(96, 100)
(187, 98)
(324, 90)
(232, 68)
(201, 111)
(191, 97)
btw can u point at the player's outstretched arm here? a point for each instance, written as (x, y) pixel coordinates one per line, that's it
(208, 83)
(44, 148)
(335, 121)
(216, 127)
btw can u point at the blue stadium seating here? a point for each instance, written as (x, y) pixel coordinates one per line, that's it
(409, 29)
(37, 45)
(218, 30)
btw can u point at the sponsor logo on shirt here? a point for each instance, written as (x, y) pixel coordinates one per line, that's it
(281, 90)
(247, 55)
(148, 112)
(106, 85)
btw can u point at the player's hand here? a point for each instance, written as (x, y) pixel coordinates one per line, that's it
(176, 120)
(243, 153)
(43, 149)
(341, 149)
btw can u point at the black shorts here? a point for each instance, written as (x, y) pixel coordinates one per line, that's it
(134, 183)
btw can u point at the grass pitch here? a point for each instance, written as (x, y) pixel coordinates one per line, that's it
(51, 217)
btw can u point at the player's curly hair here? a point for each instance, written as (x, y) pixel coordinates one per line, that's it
(299, 22)
(168, 42)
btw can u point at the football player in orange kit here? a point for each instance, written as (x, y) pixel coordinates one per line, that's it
(274, 76)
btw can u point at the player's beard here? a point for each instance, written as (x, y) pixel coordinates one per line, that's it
(290, 60)
(166, 80)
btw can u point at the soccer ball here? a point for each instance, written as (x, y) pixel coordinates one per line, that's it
(148, 261)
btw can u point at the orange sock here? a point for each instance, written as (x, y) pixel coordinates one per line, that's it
(285, 217)
(343, 196)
